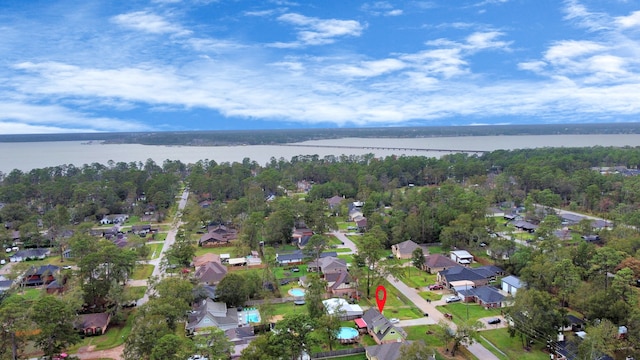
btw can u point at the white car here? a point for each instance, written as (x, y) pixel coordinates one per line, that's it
(198, 357)
(452, 298)
(394, 320)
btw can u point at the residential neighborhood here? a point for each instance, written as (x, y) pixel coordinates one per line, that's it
(313, 260)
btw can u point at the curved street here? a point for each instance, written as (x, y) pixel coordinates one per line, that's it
(425, 307)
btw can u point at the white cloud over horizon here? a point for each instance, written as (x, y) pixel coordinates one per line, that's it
(319, 69)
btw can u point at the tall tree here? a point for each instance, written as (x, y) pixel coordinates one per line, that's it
(55, 320)
(172, 347)
(214, 344)
(14, 317)
(314, 295)
(371, 250)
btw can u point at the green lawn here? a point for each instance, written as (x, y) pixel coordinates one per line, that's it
(215, 250)
(430, 295)
(285, 271)
(142, 272)
(289, 308)
(29, 294)
(161, 236)
(115, 336)
(134, 292)
(511, 346)
(154, 250)
(417, 278)
(460, 311)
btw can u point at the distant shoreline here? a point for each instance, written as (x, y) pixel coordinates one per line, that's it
(287, 136)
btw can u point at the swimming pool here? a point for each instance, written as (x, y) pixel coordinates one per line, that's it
(296, 292)
(347, 333)
(253, 318)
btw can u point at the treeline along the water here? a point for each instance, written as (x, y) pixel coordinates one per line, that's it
(282, 136)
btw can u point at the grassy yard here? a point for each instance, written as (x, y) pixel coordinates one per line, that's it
(416, 278)
(161, 236)
(30, 294)
(460, 310)
(511, 346)
(215, 250)
(289, 308)
(285, 272)
(142, 272)
(134, 292)
(154, 250)
(115, 336)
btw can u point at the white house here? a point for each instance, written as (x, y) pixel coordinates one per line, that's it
(342, 306)
(461, 257)
(511, 284)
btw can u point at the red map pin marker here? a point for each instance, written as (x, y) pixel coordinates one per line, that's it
(381, 299)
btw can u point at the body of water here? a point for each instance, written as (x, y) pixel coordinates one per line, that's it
(31, 155)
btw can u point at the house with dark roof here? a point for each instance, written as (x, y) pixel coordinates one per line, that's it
(525, 226)
(486, 296)
(93, 324)
(404, 250)
(461, 275)
(380, 329)
(41, 275)
(209, 313)
(210, 273)
(217, 235)
(437, 262)
(340, 283)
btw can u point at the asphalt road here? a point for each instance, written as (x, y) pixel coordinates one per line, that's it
(171, 238)
(434, 317)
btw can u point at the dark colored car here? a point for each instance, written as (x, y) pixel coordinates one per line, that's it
(435, 287)
(494, 321)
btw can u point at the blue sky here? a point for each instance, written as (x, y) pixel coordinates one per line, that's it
(85, 65)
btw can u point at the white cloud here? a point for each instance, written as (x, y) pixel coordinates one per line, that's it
(52, 118)
(148, 22)
(381, 8)
(371, 68)
(629, 21)
(314, 31)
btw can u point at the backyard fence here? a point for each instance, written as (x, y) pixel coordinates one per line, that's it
(336, 353)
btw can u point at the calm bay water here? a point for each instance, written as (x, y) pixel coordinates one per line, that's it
(27, 156)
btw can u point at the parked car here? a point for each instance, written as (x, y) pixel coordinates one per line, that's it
(284, 282)
(295, 269)
(435, 287)
(452, 298)
(494, 321)
(394, 320)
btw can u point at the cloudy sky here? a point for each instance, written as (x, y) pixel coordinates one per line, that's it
(89, 65)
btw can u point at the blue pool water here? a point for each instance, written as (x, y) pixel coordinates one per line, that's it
(347, 333)
(253, 318)
(296, 292)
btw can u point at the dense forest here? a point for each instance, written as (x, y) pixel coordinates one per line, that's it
(427, 200)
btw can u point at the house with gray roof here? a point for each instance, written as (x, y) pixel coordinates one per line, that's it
(30, 254)
(404, 250)
(209, 313)
(437, 262)
(511, 284)
(388, 351)
(380, 329)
